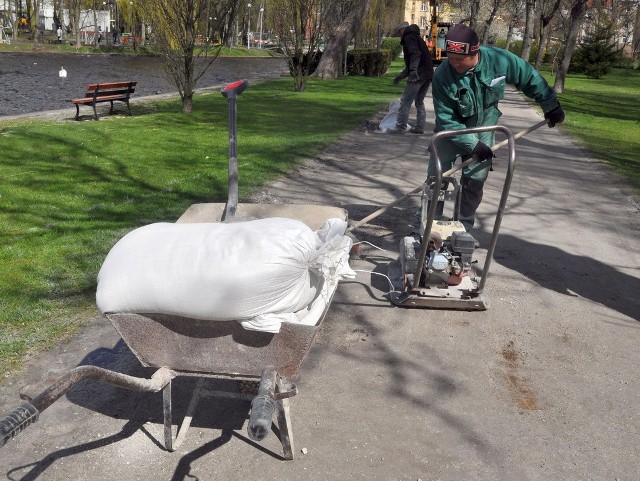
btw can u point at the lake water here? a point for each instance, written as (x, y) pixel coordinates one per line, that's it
(29, 82)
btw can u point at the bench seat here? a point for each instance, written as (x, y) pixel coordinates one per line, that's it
(105, 92)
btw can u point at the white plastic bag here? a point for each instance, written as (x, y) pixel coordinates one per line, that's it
(389, 121)
(260, 272)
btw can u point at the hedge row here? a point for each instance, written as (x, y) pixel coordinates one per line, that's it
(368, 62)
(360, 62)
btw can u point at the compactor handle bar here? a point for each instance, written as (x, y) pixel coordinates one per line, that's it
(382, 210)
(438, 184)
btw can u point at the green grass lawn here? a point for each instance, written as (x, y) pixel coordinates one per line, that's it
(70, 190)
(604, 115)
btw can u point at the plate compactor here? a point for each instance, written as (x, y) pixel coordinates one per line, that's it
(436, 268)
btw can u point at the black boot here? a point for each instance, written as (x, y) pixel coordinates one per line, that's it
(471, 198)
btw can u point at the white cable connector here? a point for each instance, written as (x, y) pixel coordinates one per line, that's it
(380, 274)
(372, 245)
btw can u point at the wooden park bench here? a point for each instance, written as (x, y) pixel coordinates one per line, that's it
(105, 92)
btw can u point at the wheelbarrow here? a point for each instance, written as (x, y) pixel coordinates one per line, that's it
(180, 346)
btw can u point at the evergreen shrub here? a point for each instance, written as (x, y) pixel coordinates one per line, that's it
(596, 56)
(368, 62)
(392, 44)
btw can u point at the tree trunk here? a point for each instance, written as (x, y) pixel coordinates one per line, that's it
(528, 30)
(16, 22)
(33, 21)
(332, 60)
(509, 37)
(545, 20)
(577, 16)
(95, 28)
(636, 35)
(77, 25)
(541, 46)
(488, 22)
(475, 10)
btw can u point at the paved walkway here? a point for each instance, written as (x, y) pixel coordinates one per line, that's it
(544, 385)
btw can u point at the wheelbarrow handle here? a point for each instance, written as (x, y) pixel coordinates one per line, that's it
(231, 92)
(28, 412)
(234, 89)
(263, 406)
(17, 421)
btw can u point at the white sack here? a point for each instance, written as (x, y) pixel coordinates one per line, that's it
(389, 121)
(261, 271)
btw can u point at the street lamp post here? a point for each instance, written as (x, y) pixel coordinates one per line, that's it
(261, 15)
(249, 27)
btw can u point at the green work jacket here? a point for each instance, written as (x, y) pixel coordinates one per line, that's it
(471, 99)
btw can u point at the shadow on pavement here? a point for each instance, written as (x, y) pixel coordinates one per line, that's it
(38, 468)
(570, 274)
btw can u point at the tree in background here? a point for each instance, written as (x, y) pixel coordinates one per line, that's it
(495, 7)
(624, 17)
(383, 17)
(597, 54)
(299, 26)
(547, 11)
(180, 32)
(33, 9)
(474, 14)
(345, 21)
(514, 16)
(636, 34)
(527, 40)
(578, 10)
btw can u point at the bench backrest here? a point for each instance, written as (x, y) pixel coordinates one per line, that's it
(112, 88)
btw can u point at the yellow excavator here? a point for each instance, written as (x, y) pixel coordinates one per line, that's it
(437, 34)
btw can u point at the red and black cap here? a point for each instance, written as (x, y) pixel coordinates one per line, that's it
(462, 40)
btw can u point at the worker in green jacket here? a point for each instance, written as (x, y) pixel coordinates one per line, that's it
(467, 87)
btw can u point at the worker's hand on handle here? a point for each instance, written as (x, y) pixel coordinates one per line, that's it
(554, 116)
(401, 76)
(482, 152)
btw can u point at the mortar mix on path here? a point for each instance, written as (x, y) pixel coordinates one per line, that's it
(543, 385)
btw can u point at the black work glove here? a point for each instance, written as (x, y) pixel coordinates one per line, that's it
(555, 116)
(413, 76)
(482, 152)
(397, 80)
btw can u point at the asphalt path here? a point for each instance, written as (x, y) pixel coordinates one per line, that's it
(544, 385)
(31, 82)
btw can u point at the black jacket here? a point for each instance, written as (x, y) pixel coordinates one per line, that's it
(416, 54)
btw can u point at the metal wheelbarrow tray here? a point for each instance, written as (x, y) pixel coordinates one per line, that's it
(224, 348)
(180, 346)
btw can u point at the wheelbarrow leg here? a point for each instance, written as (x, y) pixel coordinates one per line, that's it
(284, 424)
(168, 421)
(172, 443)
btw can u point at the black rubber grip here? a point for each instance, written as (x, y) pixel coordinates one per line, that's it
(262, 408)
(17, 421)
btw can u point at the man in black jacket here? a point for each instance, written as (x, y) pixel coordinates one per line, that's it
(419, 70)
